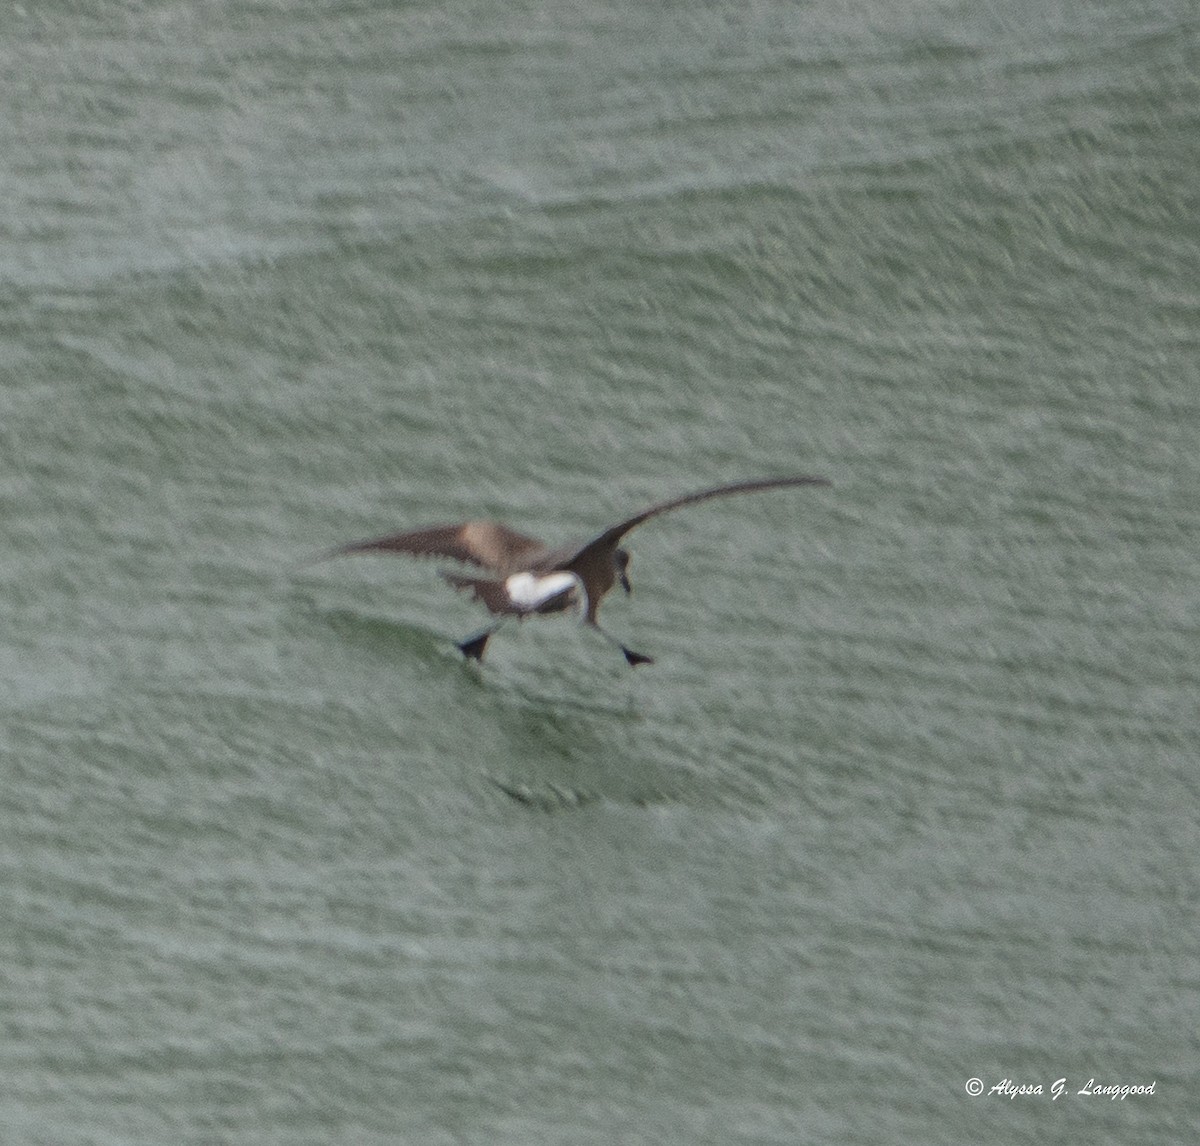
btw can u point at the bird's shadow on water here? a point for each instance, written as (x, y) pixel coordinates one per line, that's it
(576, 748)
(552, 722)
(565, 726)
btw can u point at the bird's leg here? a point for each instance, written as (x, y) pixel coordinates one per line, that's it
(631, 658)
(472, 647)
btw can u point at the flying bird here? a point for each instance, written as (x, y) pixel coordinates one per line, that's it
(529, 578)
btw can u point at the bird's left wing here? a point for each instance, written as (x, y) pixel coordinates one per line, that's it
(487, 544)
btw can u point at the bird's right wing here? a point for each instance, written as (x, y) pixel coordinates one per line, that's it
(487, 544)
(614, 533)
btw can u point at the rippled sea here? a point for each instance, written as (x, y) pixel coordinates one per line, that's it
(910, 797)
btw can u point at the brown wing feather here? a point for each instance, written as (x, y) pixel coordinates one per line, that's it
(487, 544)
(593, 561)
(616, 532)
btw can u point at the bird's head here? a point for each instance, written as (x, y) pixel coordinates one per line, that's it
(621, 560)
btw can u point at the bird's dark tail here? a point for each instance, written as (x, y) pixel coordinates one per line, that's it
(472, 647)
(633, 659)
(486, 589)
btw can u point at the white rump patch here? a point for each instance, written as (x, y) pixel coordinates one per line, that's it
(529, 592)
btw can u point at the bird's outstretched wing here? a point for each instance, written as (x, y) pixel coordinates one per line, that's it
(487, 544)
(614, 533)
